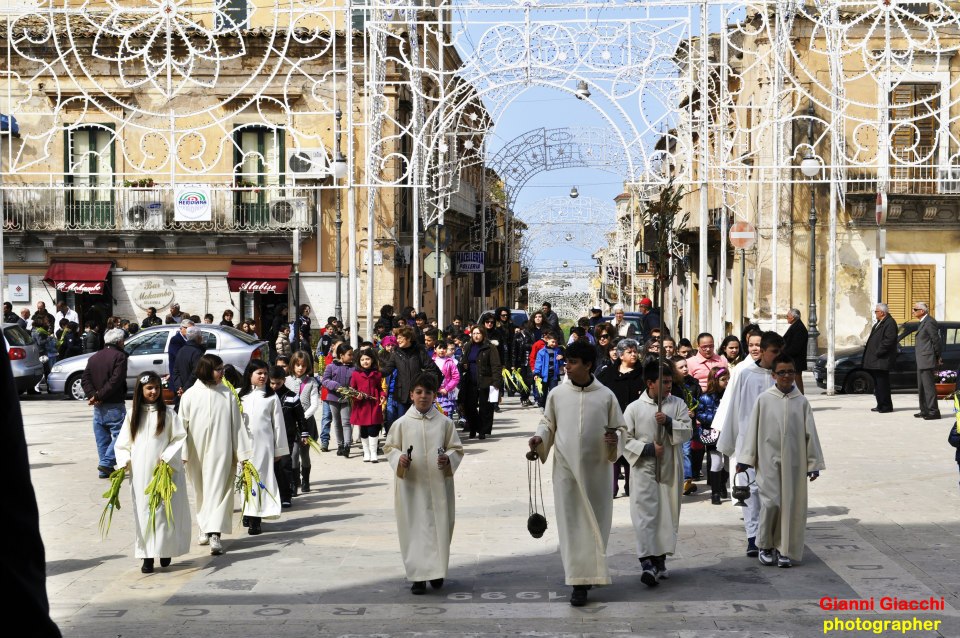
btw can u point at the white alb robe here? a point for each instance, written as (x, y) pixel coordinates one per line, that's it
(424, 498)
(655, 507)
(216, 440)
(143, 453)
(733, 418)
(781, 443)
(263, 421)
(574, 422)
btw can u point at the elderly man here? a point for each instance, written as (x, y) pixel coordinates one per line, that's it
(178, 341)
(700, 364)
(879, 355)
(795, 345)
(175, 315)
(105, 384)
(184, 373)
(928, 349)
(623, 327)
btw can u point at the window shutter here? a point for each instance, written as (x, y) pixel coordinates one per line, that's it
(921, 285)
(895, 292)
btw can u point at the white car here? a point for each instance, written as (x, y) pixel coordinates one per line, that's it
(24, 355)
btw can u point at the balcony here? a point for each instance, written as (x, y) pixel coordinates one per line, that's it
(67, 207)
(927, 176)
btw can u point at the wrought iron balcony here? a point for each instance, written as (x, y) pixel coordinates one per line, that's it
(69, 207)
(925, 176)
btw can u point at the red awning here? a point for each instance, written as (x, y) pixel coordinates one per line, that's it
(84, 277)
(252, 277)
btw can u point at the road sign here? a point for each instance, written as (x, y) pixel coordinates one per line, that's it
(881, 209)
(434, 242)
(743, 235)
(434, 261)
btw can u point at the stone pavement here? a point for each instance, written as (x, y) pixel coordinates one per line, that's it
(884, 521)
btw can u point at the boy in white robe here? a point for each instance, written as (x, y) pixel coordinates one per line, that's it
(423, 494)
(653, 445)
(750, 380)
(582, 423)
(782, 445)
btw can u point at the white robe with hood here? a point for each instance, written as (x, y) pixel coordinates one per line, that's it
(424, 497)
(574, 422)
(263, 421)
(781, 443)
(143, 453)
(655, 507)
(216, 440)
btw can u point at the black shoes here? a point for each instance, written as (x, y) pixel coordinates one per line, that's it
(419, 588)
(932, 417)
(919, 415)
(254, 528)
(484, 436)
(245, 521)
(752, 550)
(649, 575)
(715, 499)
(104, 471)
(164, 562)
(579, 596)
(436, 583)
(147, 567)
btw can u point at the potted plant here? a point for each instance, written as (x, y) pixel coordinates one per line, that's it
(946, 383)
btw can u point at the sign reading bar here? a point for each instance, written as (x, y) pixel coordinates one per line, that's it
(192, 203)
(469, 261)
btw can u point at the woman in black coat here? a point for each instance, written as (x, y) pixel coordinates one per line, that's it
(409, 359)
(480, 370)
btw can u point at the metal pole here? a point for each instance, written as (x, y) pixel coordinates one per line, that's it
(813, 333)
(704, 165)
(743, 284)
(832, 283)
(338, 224)
(295, 249)
(441, 275)
(351, 190)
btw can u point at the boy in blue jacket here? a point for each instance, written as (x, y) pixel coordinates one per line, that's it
(549, 366)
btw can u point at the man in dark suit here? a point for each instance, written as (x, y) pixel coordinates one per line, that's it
(795, 344)
(880, 354)
(928, 349)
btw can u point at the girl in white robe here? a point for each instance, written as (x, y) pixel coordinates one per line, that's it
(216, 440)
(263, 421)
(151, 433)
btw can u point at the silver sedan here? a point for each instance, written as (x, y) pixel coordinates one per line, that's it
(148, 350)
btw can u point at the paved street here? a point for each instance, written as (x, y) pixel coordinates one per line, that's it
(884, 522)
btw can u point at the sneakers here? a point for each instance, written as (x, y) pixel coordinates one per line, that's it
(660, 566)
(783, 561)
(324, 447)
(286, 504)
(216, 548)
(752, 549)
(768, 557)
(689, 487)
(578, 598)
(203, 539)
(649, 575)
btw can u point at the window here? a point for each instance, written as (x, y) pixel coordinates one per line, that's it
(914, 127)
(88, 172)
(236, 13)
(903, 286)
(209, 340)
(259, 172)
(150, 343)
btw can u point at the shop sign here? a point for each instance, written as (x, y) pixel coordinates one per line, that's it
(192, 203)
(258, 286)
(471, 261)
(18, 288)
(81, 287)
(152, 293)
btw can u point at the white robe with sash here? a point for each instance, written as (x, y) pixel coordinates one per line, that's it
(161, 540)
(424, 497)
(216, 440)
(781, 443)
(263, 421)
(574, 422)
(655, 507)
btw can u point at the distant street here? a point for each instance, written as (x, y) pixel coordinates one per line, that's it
(885, 521)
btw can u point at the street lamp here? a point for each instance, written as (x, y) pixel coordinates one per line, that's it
(583, 91)
(810, 167)
(339, 172)
(574, 193)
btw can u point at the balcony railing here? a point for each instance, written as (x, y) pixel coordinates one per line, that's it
(42, 208)
(927, 176)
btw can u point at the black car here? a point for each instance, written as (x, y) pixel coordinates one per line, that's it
(850, 377)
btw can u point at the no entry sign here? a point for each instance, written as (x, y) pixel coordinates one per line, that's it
(743, 235)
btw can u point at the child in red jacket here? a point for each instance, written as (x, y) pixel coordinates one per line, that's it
(368, 413)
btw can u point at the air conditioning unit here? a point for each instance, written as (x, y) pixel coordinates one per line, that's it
(144, 215)
(289, 212)
(308, 163)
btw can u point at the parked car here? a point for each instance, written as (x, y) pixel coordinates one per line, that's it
(148, 352)
(517, 316)
(24, 355)
(850, 377)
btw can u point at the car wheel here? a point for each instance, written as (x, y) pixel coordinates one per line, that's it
(859, 382)
(74, 387)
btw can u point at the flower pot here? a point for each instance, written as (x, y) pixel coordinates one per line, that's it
(945, 389)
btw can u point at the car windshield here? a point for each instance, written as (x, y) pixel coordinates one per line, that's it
(17, 336)
(239, 334)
